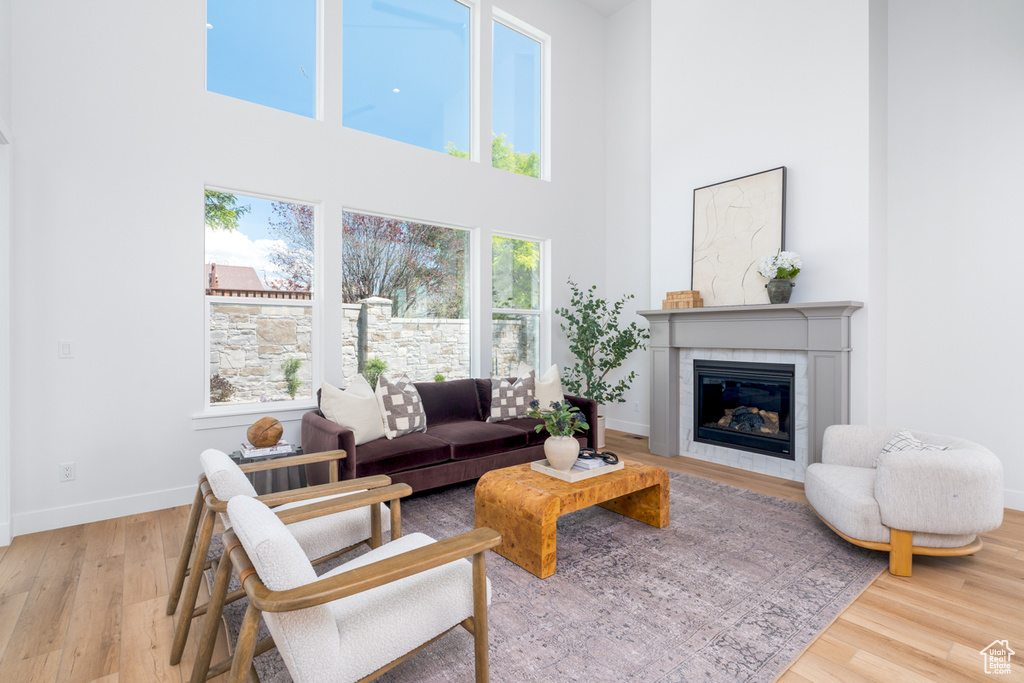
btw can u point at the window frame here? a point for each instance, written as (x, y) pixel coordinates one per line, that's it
(543, 313)
(220, 411)
(509, 21)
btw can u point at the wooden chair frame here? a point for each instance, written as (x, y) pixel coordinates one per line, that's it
(203, 516)
(261, 599)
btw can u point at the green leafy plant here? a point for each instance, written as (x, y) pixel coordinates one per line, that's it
(291, 379)
(563, 419)
(600, 345)
(439, 377)
(373, 368)
(221, 389)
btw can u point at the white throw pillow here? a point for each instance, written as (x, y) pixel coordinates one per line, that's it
(354, 407)
(903, 440)
(547, 388)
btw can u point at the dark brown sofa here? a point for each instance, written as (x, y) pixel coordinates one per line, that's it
(458, 445)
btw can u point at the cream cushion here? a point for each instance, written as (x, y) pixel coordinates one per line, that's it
(348, 639)
(354, 407)
(317, 537)
(548, 387)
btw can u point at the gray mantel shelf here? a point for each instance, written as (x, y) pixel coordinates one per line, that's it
(821, 329)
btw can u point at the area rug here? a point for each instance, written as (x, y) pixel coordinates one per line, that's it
(734, 589)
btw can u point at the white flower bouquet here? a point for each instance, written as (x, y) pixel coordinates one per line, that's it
(785, 264)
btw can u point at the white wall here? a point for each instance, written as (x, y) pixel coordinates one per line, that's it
(628, 200)
(956, 232)
(116, 140)
(5, 189)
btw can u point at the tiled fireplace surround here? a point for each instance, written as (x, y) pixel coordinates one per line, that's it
(813, 337)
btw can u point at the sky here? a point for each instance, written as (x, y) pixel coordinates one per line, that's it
(249, 245)
(406, 67)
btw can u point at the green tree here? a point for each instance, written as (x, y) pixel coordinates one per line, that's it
(504, 157)
(515, 273)
(223, 210)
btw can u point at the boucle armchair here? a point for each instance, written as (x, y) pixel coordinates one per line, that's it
(917, 501)
(321, 538)
(356, 621)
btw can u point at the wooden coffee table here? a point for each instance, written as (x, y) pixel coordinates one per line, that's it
(524, 507)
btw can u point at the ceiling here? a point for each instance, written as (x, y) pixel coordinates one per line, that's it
(606, 7)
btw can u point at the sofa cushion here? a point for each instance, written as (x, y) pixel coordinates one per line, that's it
(845, 497)
(548, 387)
(452, 401)
(384, 456)
(472, 438)
(528, 425)
(354, 407)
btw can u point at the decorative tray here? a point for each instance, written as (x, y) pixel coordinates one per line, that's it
(573, 476)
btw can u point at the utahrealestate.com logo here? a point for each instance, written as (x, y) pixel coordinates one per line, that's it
(997, 657)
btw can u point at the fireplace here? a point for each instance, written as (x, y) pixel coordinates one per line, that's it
(746, 406)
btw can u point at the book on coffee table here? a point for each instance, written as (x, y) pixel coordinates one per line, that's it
(573, 475)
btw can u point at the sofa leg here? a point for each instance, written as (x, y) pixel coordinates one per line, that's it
(901, 554)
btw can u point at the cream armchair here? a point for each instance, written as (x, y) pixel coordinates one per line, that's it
(909, 502)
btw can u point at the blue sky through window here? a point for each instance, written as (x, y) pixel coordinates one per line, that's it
(252, 244)
(406, 73)
(516, 83)
(263, 51)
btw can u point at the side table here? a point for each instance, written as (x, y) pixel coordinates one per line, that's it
(272, 481)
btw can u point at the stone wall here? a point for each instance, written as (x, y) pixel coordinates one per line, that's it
(248, 344)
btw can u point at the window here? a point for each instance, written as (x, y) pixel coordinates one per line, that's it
(259, 285)
(406, 297)
(406, 71)
(515, 304)
(263, 51)
(516, 106)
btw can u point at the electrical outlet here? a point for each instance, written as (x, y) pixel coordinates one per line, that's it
(65, 349)
(636, 406)
(67, 471)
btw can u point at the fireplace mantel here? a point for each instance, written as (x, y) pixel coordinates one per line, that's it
(820, 329)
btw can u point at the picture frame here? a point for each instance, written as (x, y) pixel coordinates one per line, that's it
(735, 224)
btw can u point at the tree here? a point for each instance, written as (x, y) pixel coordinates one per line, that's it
(515, 273)
(294, 225)
(421, 268)
(223, 210)
(504, 157)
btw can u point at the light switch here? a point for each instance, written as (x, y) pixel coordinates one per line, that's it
(65, 348)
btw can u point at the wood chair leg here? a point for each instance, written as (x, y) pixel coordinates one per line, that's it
(192, 590)
(187, 543)
(375, 526)
(246, 646)
(901, 554)
(207, 642)
(480, 645)
(396, 519)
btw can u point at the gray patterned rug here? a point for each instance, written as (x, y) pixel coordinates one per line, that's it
(734, 589)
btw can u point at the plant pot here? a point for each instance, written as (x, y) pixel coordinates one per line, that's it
(779, 290)
(599, 432)
(561, 452)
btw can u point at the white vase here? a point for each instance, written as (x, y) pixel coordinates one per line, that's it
(561, 452)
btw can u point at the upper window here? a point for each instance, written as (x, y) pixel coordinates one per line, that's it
(406, 298)
(406, 71)
(263, 51)
(259, 293)
(515, 304)
(516, 107)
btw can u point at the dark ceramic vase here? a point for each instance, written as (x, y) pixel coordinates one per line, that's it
(779, 290)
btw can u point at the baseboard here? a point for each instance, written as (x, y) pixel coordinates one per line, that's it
(628, 427)
(1013, 499)
(97, 510)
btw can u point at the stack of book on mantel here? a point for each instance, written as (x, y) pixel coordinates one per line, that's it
(685, 299)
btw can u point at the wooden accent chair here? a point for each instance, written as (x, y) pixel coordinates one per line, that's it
(915, 501)
(358, 620)
(357, 521)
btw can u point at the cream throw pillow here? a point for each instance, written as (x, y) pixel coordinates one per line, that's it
(548, 387)
(354, 407)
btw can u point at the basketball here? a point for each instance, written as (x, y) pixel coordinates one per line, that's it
(265, 432)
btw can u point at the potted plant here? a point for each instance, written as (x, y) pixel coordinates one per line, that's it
(561, 421)
(780, 269)
(600, 346)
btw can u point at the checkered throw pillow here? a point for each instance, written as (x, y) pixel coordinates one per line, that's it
(508, 400)
(400, 406)
(903, 440)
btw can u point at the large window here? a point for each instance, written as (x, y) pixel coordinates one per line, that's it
(406, 71)
(515, 304)
(406, 297)
(259, 298)
(516, 104)
(263, 51)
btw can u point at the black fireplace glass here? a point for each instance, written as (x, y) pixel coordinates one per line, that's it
(747, 406)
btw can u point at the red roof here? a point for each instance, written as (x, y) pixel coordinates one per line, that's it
(233, 277)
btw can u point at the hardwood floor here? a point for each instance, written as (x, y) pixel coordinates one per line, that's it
(86, 603)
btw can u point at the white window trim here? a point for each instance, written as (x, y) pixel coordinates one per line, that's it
(213, 416)
(544, 312)
(507, 20)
